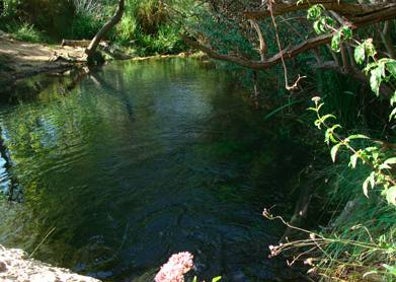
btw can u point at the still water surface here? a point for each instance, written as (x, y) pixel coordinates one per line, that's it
(141, 160)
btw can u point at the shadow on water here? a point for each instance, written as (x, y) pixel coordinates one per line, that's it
(141, 160)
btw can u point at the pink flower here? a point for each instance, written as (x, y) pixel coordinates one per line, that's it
(175, 268)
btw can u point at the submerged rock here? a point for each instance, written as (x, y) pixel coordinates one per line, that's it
(16, 266)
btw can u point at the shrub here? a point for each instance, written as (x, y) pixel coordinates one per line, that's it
(26, 32)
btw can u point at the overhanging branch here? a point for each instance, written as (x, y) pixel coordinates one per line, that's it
(291, 52)
(287, 53)
(352, 11)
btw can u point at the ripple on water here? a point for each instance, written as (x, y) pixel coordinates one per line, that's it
(147, 160)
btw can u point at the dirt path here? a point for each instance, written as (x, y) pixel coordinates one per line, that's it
(21, 59)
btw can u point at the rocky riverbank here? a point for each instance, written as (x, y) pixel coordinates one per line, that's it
(16, 266)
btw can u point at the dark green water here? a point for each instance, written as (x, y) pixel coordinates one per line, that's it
(141, 160)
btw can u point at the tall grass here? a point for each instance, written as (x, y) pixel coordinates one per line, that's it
(364, 229)
(26, 32)
(358, 240)
(89, 17)
(147, 27)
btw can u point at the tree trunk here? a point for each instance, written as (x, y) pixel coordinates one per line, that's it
(90, 50)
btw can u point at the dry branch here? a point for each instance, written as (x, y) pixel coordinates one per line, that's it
(379, 15)
(352, 11)
(90, 50)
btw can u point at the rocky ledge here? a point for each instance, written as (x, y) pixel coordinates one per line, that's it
(16, 266)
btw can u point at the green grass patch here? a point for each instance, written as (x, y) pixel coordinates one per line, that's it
(26, 32)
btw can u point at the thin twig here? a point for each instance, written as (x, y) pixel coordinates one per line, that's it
(42, 241)
(287, 86)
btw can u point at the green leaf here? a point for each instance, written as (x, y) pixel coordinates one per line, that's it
(315, 12)
(384, 166)
(326, 117)
(336, 41)
(360, 54)
(391, 269)
(372, 179)
(329, 135)
(365, 186)
(320, 106)
(369, 180)
(335, 126)
(369, 47)
(391, 67)
(353, 160)
(318, 27)
(392, 99)
(392, 114)
(346, 32)
(215, 279)
(390, 161)
(376, 76)
(357, 136)
(322, 24)
(334, 150)
(369, 67)
(391, 195)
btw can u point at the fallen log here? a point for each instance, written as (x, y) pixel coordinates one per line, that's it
(75, 43)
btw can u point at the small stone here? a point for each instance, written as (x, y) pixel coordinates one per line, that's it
(3, 267)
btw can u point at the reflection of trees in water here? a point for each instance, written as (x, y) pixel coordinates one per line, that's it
(93, 162)
(32, 89)
(120, 90)
(46, 143)
(13, 191)
(29, 134)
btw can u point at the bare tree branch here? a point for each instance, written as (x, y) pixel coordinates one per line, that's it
(106, 27)
(352, 11)
(379, 15)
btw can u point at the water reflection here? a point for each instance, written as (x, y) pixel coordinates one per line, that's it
(142, 160)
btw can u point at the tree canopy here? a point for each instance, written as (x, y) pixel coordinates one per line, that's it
(271, 32)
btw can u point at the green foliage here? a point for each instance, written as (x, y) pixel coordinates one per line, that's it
(353, 244)
(378, 160)
(84, 26)
(344, 98)
(145, 25)
(52, 18)
(355, 247)
(382, 70)
(148, 27)
(214, 279)
(26, 32)
(321, 22)
(315, 12)
(126, 30)
(10, 11)
(364, 50)
(344, 33)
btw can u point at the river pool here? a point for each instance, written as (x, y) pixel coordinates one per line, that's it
(140, 160)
